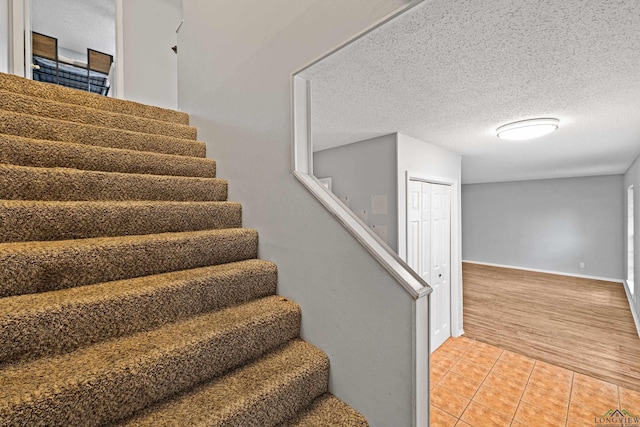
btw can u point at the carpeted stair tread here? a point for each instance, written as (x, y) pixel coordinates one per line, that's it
(19, 103)
(262, 393)
(30, 267)
(71, 96)
(44, 220)
(21, 151)
(129, 291)
(56, 322)
(35, 127)
(113, 379)
(63, 184)
(327, 411)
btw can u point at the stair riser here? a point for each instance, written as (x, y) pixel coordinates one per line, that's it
(42, 128)
(19, 103)
(130, 306)
(70, 96)
(22, 183)
(31, 268)
(262, 393)
(50, 154)
(283, 402)
(327, 411)
(45, 221)
(103, 398)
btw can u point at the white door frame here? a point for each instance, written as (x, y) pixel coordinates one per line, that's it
(455, 247)
(16, 37)
(20, 44)
(119, 56)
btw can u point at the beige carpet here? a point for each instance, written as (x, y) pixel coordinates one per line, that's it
(130, 294)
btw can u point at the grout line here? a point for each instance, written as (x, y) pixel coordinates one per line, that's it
(470, 399)
(447, 371)
(460, 358)
(573, 376)
(535, 361)
(482, 382)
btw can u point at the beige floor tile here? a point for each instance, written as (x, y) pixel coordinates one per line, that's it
(439, 418)
(448, 401)
(455, 346)
(438, 370)
(443, 360)
(479, 415)
(435, 377)
(496, 400)
(630, 400)
(559, 386)
(460, 385)
(594, 393)
(507, 369)
(480, 359)
(470, 369)
(481, 385)
(549, 402)
(581, 415)
(487, 349)
(504, 384)
(519, 360)
(533, 416)
(552, 370)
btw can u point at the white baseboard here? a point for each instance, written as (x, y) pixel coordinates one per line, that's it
(636, 320)
(559, 273)
(459, 333)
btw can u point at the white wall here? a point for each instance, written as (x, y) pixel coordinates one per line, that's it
(235, 65)
(632, 177)
(4, 36)
(363, 170)
(426, 160)
(150, 66)
(72, 54)
(549, 224)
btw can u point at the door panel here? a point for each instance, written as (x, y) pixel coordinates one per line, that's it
(414, 226)
(440, 265)
(429, 249)
(425, 238)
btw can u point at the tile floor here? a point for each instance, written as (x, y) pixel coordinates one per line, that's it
(476, 384)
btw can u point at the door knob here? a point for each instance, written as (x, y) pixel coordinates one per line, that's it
(440, 275)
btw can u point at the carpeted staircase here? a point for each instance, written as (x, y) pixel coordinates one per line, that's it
(130, 294)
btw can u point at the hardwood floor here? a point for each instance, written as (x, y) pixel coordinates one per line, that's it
(580, 324)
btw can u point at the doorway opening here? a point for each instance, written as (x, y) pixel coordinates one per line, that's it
(71, 43)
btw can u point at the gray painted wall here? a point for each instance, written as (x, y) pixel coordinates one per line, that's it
(4, 36)
(150, 66)
(235, 65)
(547, 224)
(632, 177)
(361, 171)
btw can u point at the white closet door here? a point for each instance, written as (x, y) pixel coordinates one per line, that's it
(429, 250)
(440, 264)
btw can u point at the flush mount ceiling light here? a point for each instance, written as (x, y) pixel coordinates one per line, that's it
(527, 129)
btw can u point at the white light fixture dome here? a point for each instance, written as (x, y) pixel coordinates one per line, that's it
(527, 129)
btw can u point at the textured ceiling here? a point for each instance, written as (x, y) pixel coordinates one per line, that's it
(77, 24)
(451, 71)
